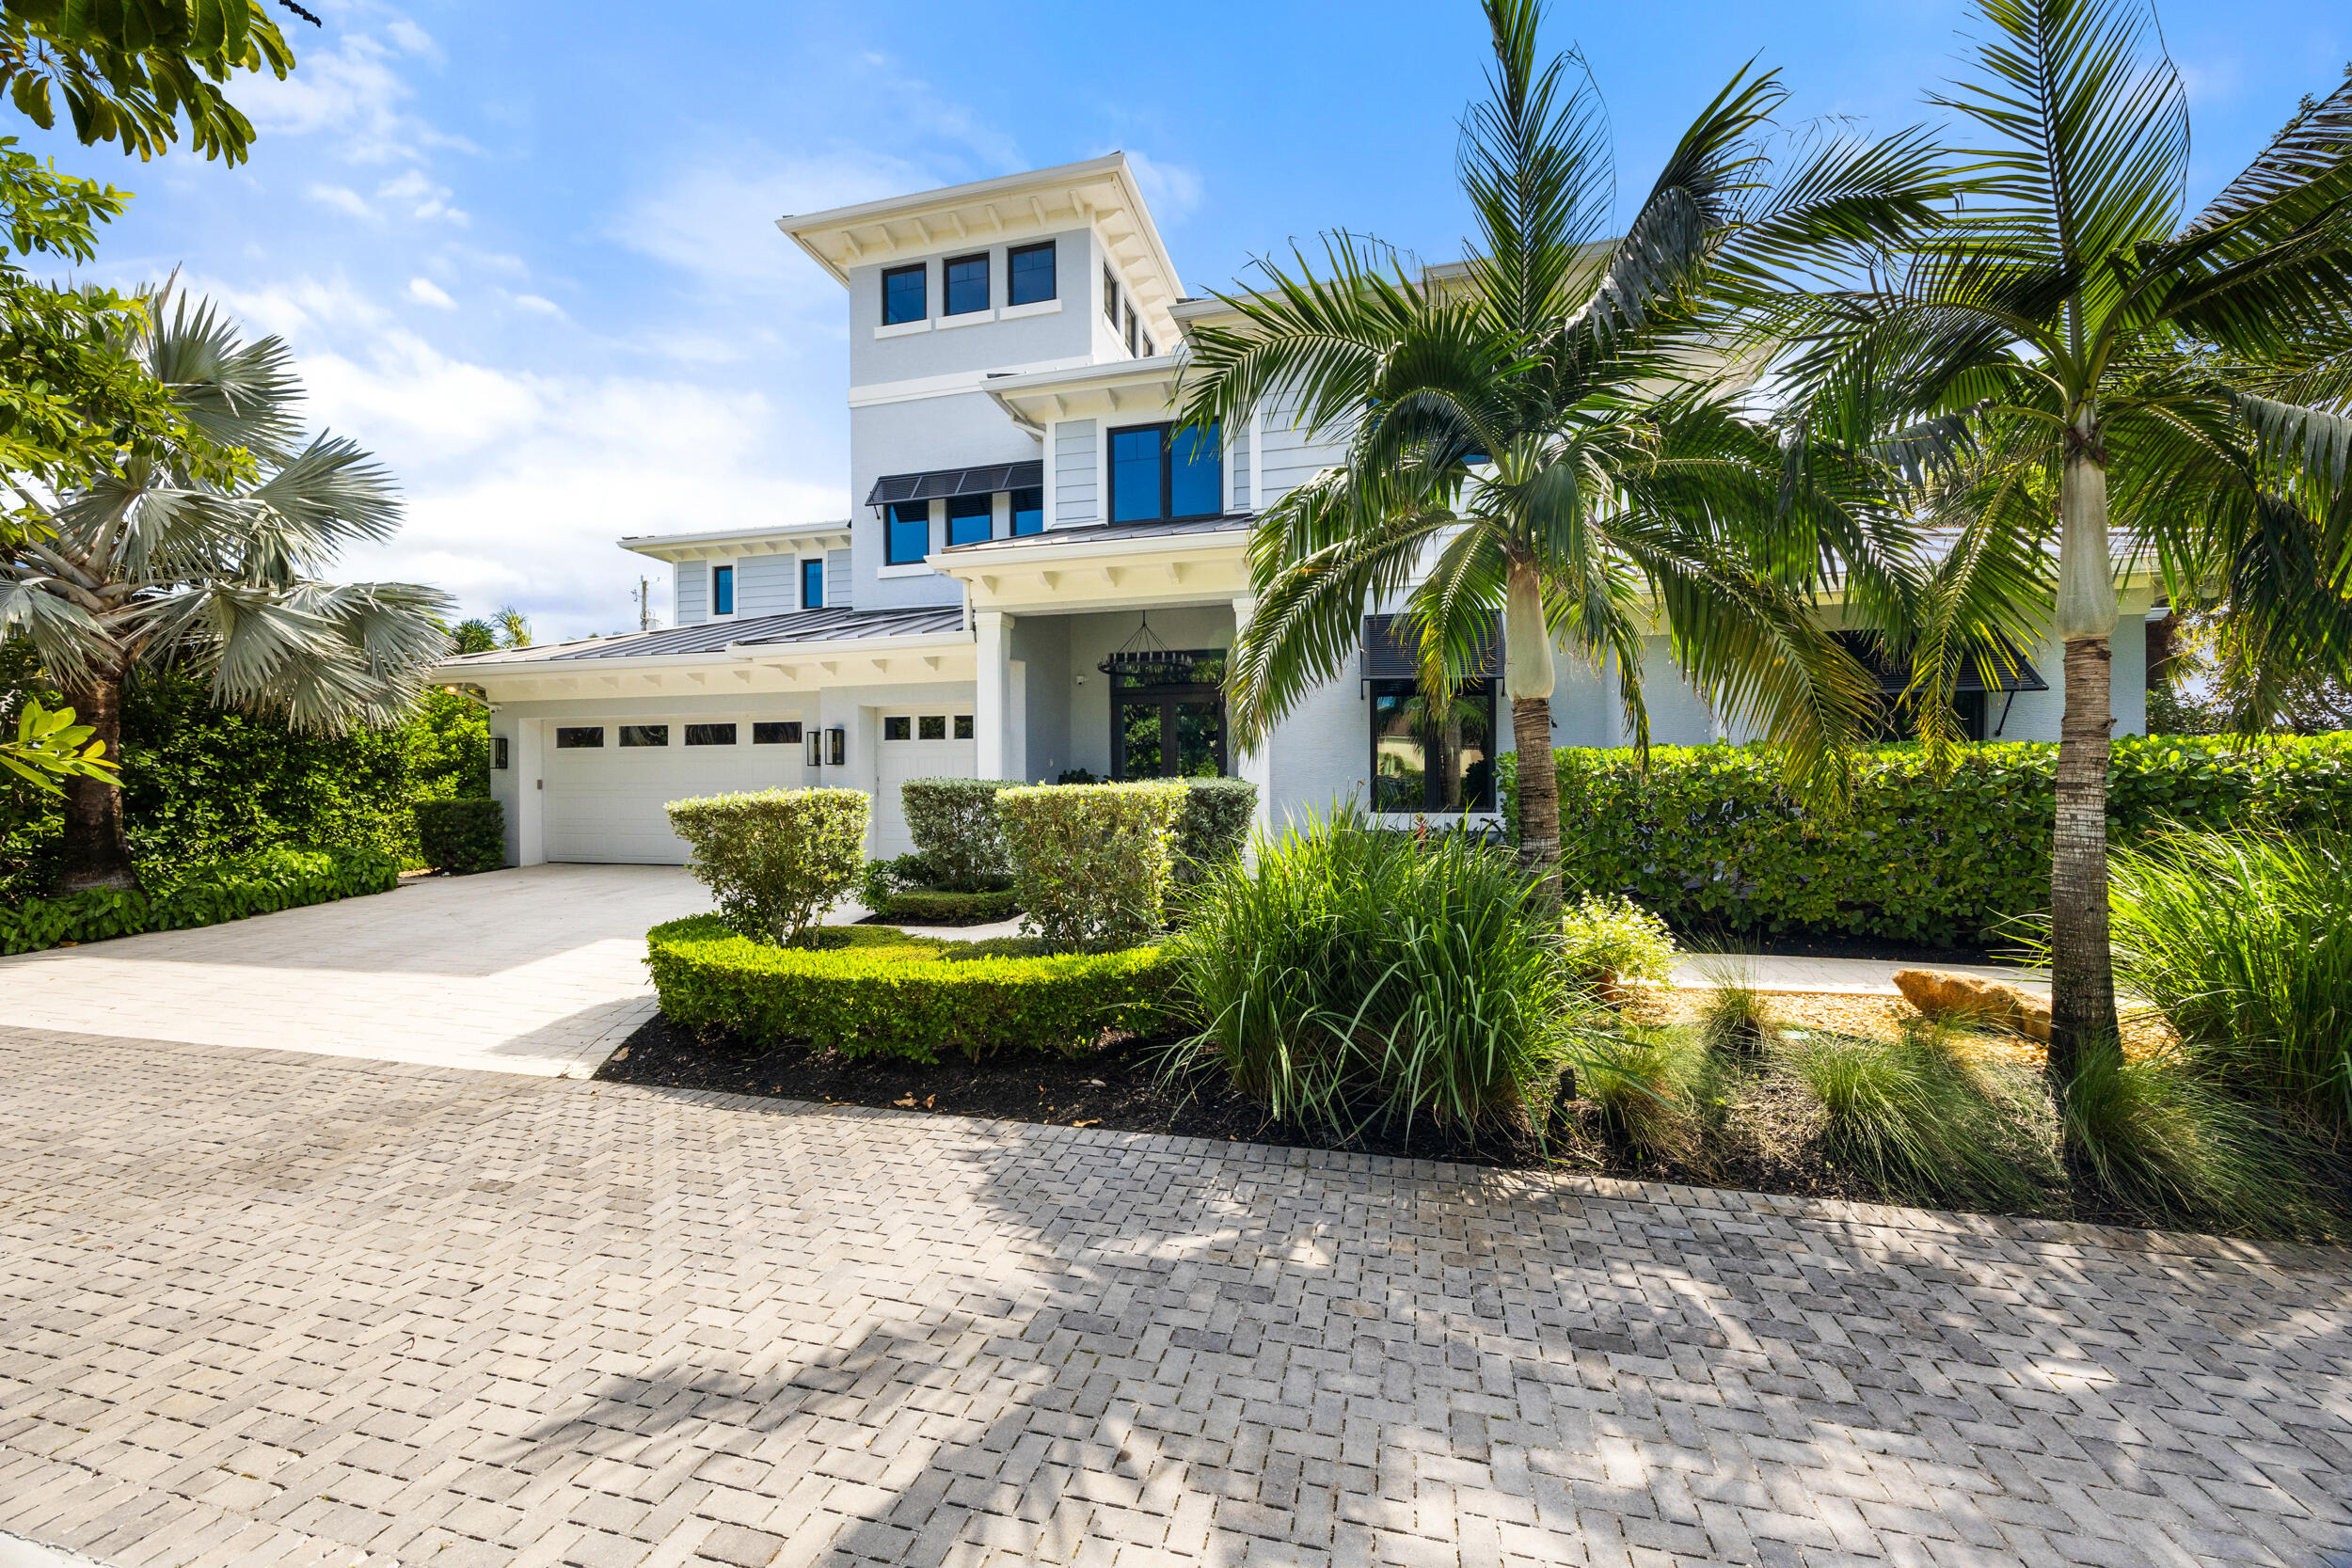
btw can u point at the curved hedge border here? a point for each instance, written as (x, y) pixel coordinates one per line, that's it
(885, 993)
(261, 883)
(1707, 837)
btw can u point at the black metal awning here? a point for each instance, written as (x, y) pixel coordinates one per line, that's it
(946, 483)
(2011, 670)
(1392, 653)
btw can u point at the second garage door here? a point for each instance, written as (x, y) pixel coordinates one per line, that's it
(916, 744)
(607, 783)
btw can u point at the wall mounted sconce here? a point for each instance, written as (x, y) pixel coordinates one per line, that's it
(816, 748)
(840, 747)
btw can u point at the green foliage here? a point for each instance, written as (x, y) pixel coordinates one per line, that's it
(880, 993)
(1352, 974)
(50, 746)
(1922, 1120)
(1090, 863)
(472, 636)
(1709, 836)
(462, 835)
(953, 823)
(201, 784)
(775, 858)
(2244, 942)
(1606, 938)
(1214, 826)
(131, 71)
(938, 906)
(2173, 1150)
(1647, 1083)
(883, 879)
(206, 894)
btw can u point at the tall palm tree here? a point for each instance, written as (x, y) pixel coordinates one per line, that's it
(205, 558)
(1546, 430)
(2072, 359)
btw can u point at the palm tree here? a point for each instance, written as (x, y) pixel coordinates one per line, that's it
(2070, 355)
(1548, 430)
(205, 557)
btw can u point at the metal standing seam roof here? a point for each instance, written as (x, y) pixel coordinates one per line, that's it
(946, 483)
(711, 637)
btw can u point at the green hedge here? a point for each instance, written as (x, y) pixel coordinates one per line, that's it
(259, 883)
(463, 836)
(953, 823)
(928, 906)
(1707, 838)
(1214, 826)
(884, 993)
(775, 860)
(1091, 864)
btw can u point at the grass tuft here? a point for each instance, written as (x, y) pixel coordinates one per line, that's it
(1927, 1118)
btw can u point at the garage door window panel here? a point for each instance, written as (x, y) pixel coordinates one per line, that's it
(637, 736)
(768, 732)
(710, 735)
(579, 737)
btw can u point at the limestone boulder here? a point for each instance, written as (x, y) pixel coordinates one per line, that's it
(1937, 992)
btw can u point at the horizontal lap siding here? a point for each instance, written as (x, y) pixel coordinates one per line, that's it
(1074, 472)
(767, 584)
(693, 596)
(837, 581)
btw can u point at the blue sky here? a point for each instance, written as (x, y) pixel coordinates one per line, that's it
(526, 251)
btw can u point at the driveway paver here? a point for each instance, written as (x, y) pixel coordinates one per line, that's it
(269, 1308)
(537, 971)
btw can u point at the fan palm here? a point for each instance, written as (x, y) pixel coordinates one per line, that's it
(2071, 354)
(1546, 429)
(188, 559)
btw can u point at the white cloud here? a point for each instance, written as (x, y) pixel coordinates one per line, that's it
(1172, 189)
(413, 39)
(352, 93)
(344, 199)
(538, 305)
(424, 200)
(715, 218)
(425, 291)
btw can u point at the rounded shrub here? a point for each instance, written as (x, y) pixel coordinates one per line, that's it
(881, 992)
(462, 837)
(953, 823)
(1091, 864)
(775, 860)
(1214, 824)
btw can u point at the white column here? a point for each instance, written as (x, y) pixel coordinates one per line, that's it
(1256, 765)
(991, 697)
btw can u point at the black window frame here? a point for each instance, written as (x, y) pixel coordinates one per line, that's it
(1134, 324)
(1013, 271)
(816, 564)
(1433, 782)
(948, 284)
(1168, 474)
(963, 730)
(921, 271)
(903, 723)
(775, 732)
(567, 738)
(1166, 696)
(986, 512)
(722, 572)
(924, 722)
(709, 737)
(1014, 511)
(623, 742)
(1110, 296)
(890, 533)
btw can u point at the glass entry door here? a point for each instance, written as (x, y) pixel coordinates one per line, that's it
(1164, 728)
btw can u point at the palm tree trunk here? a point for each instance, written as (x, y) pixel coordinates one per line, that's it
(1527, 674)
(2082, 969)
(93, 852)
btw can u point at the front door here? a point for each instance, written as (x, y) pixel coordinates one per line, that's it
(1169, 723)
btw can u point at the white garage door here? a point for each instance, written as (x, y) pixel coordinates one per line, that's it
(916, 744)
(608, 783)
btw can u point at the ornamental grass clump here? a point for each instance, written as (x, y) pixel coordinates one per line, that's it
(1352, 977)
(2243, 942)
(775, 860)
(1927, 1120)
(1091, 864)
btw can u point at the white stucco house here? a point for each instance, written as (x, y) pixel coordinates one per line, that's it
(1035, 582)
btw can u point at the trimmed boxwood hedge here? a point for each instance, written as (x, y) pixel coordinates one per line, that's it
(877, 991)
(259, 883)
(463, 835)
(930, 905)
(1706, 836)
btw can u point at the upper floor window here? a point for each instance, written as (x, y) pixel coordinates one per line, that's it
(1148, 350)
(1028, 512)
(1029, 274)
(1158, 471)
(1133, 334)
(904, 295)
(1110, 296)
(967, 285)
(812, 584)
(968, 519)
(909, 537)
(723, 591)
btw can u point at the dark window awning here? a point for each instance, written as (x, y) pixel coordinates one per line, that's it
(1393, 650)
(946, 483)
(2009, 668)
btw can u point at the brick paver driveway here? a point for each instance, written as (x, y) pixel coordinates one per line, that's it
(533, 971)
(269, 1308)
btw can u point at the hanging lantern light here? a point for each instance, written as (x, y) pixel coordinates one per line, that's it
(1145, 659)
